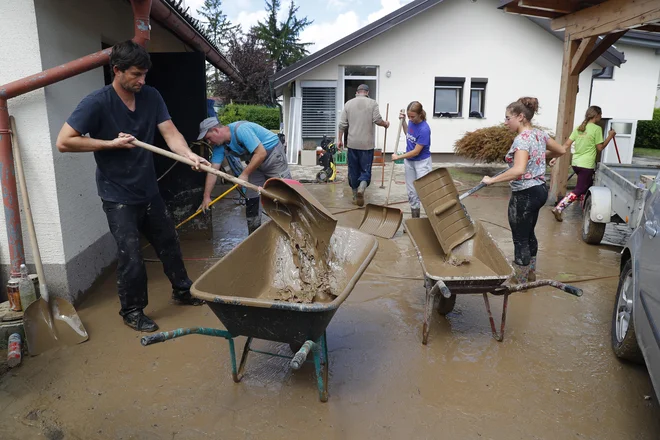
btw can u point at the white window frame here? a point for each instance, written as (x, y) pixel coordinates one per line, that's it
(453, 84)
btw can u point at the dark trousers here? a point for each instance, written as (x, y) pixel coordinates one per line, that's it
(585, 179)
(524, 207)
(151, 219)
(359, 166)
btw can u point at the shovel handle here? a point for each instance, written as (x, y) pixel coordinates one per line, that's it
(478, 187)
(396, 145)
(206, 168)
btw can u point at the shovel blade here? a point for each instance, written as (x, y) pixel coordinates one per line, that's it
(381, 221)
(52, 323)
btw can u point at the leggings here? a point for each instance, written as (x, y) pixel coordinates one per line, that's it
(585, 178)
(524, 207)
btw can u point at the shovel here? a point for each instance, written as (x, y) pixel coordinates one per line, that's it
(286, 197)
(379, 220)
(477, 188)
(49, 322)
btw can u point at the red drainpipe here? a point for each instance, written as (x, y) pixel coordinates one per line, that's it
(141, 11)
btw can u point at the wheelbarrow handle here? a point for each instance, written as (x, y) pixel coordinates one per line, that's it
(166, 336)
(300, 357)
(478, 187)
(526, 286)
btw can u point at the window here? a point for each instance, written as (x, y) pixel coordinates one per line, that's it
(318, 110)
(478, 97)
(356, 75)
(448, 98)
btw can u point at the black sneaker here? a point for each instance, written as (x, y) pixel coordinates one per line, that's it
(137, 320)
(185, 299)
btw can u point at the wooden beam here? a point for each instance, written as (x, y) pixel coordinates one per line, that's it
(610, 16)
(529, 12)
(565, 116)
(586, 47)
(605, 43)
(559, 6)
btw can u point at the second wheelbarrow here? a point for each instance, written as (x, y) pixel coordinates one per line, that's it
(479, 267)
(243, 288)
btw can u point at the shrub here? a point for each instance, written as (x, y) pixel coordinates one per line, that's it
(267, 117)
(486, 145)
(648, 132)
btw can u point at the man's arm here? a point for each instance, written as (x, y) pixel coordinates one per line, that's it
(71, 141)
(258, 156)
(208, 187)
(343, 126)
(178, 144)
(378, 119)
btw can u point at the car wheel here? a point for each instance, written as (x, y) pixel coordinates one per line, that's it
(624, 341)
(592, 232)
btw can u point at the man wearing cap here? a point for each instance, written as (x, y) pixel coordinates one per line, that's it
(358, 118)
(259, 147)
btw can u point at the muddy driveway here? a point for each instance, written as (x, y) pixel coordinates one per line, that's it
(554, 376)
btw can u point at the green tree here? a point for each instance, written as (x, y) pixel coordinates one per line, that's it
(282, 39)
(219, 30)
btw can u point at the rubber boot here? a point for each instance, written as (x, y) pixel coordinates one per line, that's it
(360, 193)
(355, 196)
(531, 276)
(521, 275)
(253, 224)
(563, 204)
(415, 212)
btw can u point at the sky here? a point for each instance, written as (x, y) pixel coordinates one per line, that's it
(332, 19)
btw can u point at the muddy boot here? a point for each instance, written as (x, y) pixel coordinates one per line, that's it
(253, 224)
(521, 275)
(184, 298)
(531, 276)
(355, 196)
(415, 212)
(360, 193)
(563, 204)
(137, 320)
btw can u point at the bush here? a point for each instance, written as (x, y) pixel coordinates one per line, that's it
(488, 144)
(267, 117)
(648, 132)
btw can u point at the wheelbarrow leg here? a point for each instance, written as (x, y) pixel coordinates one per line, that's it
(498, 337)
(432, 290)
(321, 366)
(246, 350)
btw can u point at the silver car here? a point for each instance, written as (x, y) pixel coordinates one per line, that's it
(636, 317)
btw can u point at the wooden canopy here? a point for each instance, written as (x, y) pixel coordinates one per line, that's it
(590, 28)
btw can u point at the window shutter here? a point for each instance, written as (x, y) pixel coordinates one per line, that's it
(319, 116)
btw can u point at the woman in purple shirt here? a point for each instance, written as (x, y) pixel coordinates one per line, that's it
(417, 157)
(526, 174)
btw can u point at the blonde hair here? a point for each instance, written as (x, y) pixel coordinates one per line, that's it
(416, 107)
(591, 113)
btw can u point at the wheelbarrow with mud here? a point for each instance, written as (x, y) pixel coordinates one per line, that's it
(458, 256)
(249, 302)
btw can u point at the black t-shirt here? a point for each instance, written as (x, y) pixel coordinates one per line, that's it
(122, 175)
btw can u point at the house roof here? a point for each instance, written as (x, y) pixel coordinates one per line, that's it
(412, 9)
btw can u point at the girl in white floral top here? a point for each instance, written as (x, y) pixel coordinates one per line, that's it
(526, 174)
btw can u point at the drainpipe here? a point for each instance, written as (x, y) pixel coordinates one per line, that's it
(141, 9)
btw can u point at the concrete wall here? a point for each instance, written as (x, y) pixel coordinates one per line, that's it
(71, 226)
(518, 57)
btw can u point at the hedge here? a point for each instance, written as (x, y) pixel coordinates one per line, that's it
(268, 117)
(648, 132)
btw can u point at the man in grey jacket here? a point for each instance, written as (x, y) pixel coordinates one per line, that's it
(358, 119)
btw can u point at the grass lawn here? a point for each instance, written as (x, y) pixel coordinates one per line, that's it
(646, 152)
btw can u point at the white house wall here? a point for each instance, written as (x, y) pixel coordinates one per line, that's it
(458, 38)
(71, 226)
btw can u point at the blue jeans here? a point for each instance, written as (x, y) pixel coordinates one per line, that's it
(359, 166)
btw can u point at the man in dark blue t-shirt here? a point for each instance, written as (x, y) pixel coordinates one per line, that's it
(113, 117)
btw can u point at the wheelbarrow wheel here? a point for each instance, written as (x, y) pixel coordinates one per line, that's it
(446, 305)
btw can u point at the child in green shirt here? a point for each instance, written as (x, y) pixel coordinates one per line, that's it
(585, 142)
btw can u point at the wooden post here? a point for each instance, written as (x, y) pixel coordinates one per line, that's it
(565, 116)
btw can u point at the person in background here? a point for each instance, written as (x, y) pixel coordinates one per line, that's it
(417, 158)
(114, 117)
(259, 147)
(358, 119)
(588, 140)
(526, 174)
